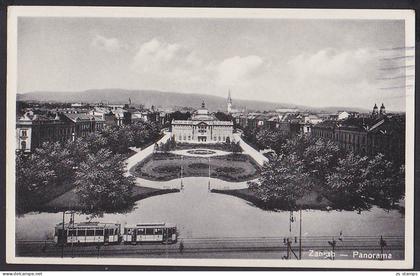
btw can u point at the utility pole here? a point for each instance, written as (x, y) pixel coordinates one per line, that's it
(287, 240)
(166, 243)
(382, 243)
(288, 249)
(72, 227)
(333, 244)
(62, 237)
(291, 219)
(300, 234)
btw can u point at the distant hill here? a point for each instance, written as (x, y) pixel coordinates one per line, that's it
(163, 99)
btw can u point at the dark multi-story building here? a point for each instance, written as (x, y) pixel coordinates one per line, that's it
(83, 124)
(325, 129)
(377, 133)
(33, 130)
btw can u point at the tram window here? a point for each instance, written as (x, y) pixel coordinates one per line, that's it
(72, 232)
(90, 233)
(99, 232)
(149, 231)
(129, 231)
(158, 231)
(141, 231)
(125, 231)
(81, 232)
(59, 232)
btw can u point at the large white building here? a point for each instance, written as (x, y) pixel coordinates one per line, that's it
(202, 128)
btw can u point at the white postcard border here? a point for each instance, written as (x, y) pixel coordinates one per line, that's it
(126, 12)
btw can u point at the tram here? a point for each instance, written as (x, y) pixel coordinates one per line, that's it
(150, 232)
(87, 233)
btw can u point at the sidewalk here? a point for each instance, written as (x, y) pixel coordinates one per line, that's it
(142, 154)
(257, 156)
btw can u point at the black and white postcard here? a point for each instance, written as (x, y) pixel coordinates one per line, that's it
(210, 137)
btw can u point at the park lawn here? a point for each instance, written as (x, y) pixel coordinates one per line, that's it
(167, 166)
(308, 201)
(70, 200)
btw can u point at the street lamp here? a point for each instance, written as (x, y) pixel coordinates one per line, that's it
(209, 175)
(182, 169)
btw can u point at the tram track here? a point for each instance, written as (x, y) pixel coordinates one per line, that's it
(206, 245)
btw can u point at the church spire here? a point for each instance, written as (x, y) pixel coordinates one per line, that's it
(229, 99)
(229, 103)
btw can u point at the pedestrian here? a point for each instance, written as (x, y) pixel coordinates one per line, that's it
(181, 247)
(44, 247)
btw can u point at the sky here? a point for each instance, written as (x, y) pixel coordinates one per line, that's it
(314, 62)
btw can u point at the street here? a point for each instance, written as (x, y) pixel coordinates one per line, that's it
(266, 248)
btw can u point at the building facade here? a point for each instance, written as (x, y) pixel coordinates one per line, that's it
(202, 128)
(379, 133)
(33, 130)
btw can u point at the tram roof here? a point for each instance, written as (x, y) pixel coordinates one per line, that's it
(151, 225)
(88, 224)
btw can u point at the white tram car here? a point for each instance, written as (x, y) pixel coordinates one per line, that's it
(150, 232)
(87, 233)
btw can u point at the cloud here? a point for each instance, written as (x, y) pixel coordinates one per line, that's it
(106, 44)
(235, 70)
(335, 77)
(159, 57)
(180, 66)
(331, 65)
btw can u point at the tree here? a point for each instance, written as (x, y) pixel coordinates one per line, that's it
(346, 187)
(172, 143)
(281, 183)
(320, 159)
(78, 149)
(61, 161)
(249, 135)
(386, 181)
(270, 138)
(235, 147)
(101, 183)
(33, 175)
(296, 145)
(118, 139)
(223, 116)
(94, 142)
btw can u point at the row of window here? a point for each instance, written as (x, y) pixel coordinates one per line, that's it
(143, 231)
(342, 137)
(90, 232)
(215, 138)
